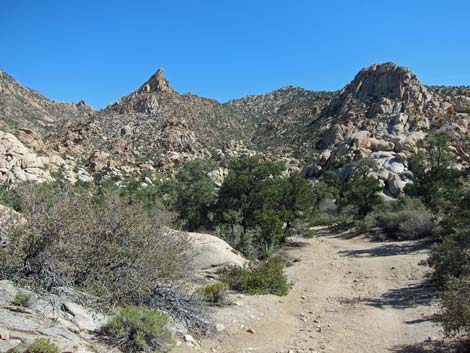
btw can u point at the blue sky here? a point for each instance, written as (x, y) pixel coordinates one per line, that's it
(101, 50)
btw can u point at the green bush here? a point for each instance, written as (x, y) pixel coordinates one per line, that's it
(22, 299)
(309, 233)
(215, 293)
(257, 206)
(136, 329)
(361, 192)
(402, 221)
(267, 277)
(436, 179)
(42, 345)
(455, 313)
(451, 257)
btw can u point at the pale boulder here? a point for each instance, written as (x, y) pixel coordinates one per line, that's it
(212, 253)
(361, 140)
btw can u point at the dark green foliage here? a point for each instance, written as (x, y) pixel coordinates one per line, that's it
(215, 293)
(137, 329)
(455, 315)
(444, 189)
(256, 206)
(436, 180)
(42, 345)
(355, 194)
(195, 194)
(22, 299)
(451, 257)
(264, 278)
(9, 197)
(361, 192)
(328, 187)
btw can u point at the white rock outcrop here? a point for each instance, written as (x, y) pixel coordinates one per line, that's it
(20, 164)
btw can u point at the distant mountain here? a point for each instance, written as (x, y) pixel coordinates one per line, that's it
(21, 107)
(385, 112)
(155, 123)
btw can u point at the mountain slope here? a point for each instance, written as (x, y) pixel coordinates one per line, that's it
(21, 107)
(385, 112)
(156, 124)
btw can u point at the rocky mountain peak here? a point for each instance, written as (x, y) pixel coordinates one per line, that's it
(157, 83)
(386, 80)
(381, 89)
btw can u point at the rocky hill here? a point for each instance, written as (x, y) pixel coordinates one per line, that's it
(385, 112)
(21, 107)
(157, 127)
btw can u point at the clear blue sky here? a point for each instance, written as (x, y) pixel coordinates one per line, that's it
(101, 50)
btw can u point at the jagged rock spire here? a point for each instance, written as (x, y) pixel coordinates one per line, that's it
(157, 83)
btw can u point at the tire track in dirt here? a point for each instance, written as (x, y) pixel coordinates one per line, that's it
(349, 295)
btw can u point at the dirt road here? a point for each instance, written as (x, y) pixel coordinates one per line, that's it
(349, 295)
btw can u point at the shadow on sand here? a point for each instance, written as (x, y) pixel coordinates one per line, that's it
(433, 347)
(401, 298)
(393, 249)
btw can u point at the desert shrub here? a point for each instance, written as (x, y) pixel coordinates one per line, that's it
(326, 218)
(42, 345)
(22, 299)
(107, 246)
(183, 306)
(455, 307)
(361, 192)
(9, 197)
(436, 179)
(451, 257)
(309, 233)
(136, 329)
(264, 278)
(404, 220)
(15, 350)
(215, 293)
(257, 206)
(194, 194)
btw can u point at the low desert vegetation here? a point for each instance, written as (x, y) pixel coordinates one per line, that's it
(436, 205)
(254, 209)
(103, 245)
(443, 188)
(42, 345)
(215, 293)
(114, 242)
(22, 299)
(406, 219)
(266, 277)
(136, 329)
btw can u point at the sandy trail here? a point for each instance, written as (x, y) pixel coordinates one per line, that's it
(349, 295)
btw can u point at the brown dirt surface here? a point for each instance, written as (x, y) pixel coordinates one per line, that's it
(349, 294)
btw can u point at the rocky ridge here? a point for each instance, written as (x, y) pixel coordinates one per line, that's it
(384, 114)
(21, 107)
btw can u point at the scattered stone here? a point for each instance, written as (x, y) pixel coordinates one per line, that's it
(250, 330)
(189, 338)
